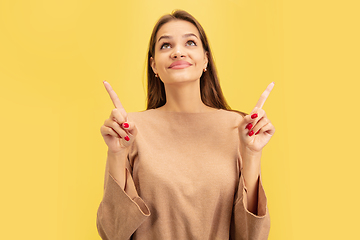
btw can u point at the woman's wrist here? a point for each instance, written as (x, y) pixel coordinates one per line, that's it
(251, 172)
(251, 164)
(118, 154)
(117, 161)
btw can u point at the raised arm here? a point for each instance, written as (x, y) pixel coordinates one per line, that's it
(255, 132)
(121, 210)
(118, 135)
(251, 218)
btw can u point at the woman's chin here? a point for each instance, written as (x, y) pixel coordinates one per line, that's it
(180, 78)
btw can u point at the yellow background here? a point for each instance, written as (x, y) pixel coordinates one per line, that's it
(54, 56)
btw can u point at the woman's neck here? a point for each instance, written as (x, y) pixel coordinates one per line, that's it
(184, 97)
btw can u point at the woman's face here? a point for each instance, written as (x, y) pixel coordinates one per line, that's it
(179, 54)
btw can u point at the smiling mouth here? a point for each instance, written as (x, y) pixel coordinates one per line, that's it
(180, 66)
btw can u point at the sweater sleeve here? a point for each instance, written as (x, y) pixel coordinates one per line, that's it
(121, 211)
(244, 224)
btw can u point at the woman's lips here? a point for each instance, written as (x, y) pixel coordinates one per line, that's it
(180, 65)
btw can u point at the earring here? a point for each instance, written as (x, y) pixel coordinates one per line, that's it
(205, 70)
(156, 75)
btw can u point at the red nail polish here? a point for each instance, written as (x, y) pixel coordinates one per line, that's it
(127, 138)
(249, 126)
(125, 125)
(254, 116)
(251, 133)
(257, 132)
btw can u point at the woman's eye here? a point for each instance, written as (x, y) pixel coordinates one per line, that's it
(165, 45)
(191, 43)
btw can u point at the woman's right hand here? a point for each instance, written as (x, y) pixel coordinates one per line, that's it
(117, 132)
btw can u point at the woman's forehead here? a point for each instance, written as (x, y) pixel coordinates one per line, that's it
(176, 28)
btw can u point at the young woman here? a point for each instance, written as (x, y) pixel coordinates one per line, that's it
(187, 167)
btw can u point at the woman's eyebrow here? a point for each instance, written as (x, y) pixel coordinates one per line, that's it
(189, 35)
(170, 37)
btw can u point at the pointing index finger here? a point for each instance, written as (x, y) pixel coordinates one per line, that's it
(114, 97)
(264, 95)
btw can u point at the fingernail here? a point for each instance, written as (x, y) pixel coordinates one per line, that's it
(125, 125)
(251, 133)
(127, 138)
(257, 132)
(104, 81)
(254, 116)
(249, 126)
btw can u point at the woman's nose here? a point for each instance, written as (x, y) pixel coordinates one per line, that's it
(177, 53)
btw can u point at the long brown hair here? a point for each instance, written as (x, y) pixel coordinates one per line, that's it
(210, 89)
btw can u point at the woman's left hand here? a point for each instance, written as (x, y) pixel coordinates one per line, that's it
(256, 129)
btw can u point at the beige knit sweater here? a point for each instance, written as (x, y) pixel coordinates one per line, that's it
(185, 168)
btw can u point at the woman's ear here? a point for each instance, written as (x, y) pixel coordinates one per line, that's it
(152, 64)
(206, 58)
